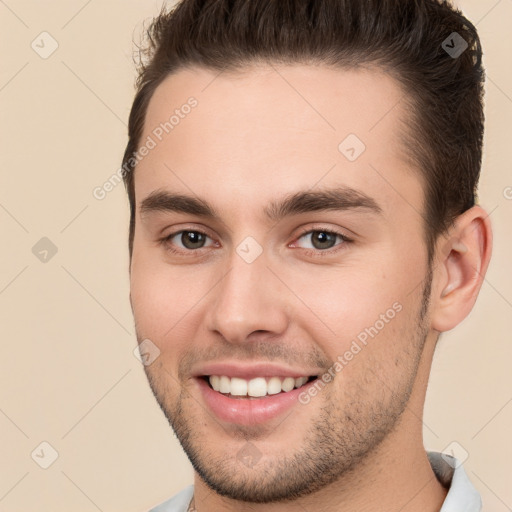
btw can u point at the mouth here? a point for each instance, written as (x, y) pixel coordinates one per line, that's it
(257, 387)
(253, 400)
(254, 392)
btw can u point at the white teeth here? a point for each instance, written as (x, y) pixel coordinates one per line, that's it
(224, 384)
(300, 381)
(257, 387)
(238, 387)
(215, 382)
(288, 384)
(274, 386)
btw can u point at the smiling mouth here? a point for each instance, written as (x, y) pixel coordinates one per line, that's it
(258, 387)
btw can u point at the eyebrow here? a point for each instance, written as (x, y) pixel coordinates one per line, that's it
(339, 198)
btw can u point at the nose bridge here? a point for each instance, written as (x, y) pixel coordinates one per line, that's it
(246, 299)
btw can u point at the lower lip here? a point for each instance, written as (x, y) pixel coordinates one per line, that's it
(247, 411)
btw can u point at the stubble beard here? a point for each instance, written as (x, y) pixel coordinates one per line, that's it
(336, 442)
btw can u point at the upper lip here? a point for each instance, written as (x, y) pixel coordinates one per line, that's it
(252, 370)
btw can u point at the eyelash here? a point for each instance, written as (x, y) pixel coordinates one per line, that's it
(317, 253)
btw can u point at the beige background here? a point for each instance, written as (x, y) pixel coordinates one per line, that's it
(68, 373)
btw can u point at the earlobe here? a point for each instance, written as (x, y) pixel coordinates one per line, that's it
(463, 258)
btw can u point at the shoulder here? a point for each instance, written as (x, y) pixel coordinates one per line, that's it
(178, 503)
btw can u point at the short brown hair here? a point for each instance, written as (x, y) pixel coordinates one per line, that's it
(410, 39)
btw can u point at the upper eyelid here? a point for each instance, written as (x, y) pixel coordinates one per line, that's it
(336, 231)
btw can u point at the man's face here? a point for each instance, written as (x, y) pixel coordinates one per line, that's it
(249, 297)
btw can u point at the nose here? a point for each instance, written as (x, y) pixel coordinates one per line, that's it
(249, 299)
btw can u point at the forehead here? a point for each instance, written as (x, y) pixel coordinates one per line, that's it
(277, 128)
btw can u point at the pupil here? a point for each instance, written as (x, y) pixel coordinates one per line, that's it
(322, 235)
(192, 239)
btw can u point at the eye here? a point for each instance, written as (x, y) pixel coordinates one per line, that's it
(190, 240)
(323, 240)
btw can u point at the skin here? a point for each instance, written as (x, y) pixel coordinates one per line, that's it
(256, 137)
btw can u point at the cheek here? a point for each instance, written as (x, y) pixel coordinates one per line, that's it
(378, 360)
(370, 307)
(347, 299)
(161, 298)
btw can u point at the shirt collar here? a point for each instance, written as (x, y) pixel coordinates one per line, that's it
(462, 496)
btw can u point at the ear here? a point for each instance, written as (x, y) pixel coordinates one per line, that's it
(462, 258)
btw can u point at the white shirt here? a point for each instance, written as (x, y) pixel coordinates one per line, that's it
(461, 497)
